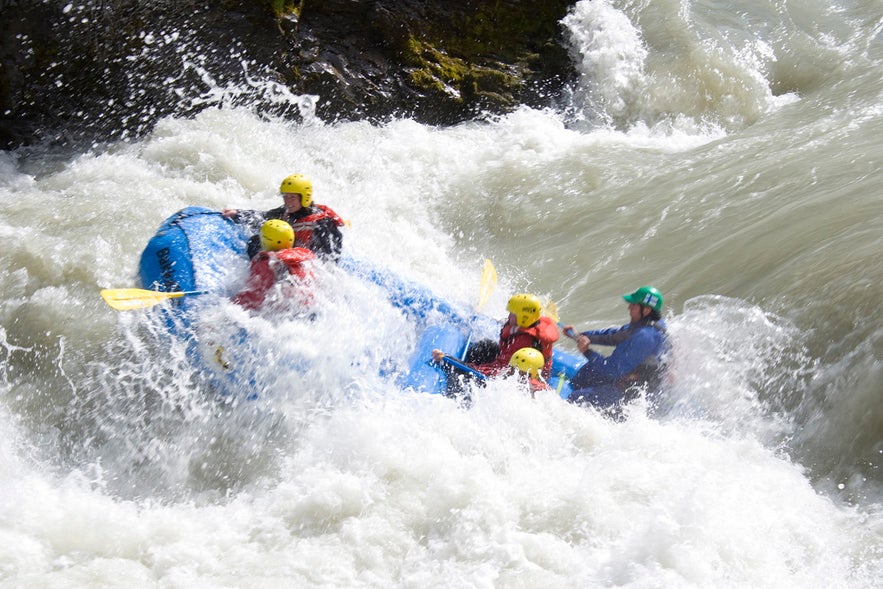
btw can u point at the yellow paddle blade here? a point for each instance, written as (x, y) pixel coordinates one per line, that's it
(488, 284)
(126, 299)
(551, 310)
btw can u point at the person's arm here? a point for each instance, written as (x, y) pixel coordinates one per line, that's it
(548, 331)
(253, 247)
(611, 336)
(626, 357)
(244, 216)
(262, 277)
(327, 240)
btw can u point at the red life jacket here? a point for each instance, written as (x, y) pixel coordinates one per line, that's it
(541, 336)
(303, 227)
(267, 268)
(534, 384)
(294, 258)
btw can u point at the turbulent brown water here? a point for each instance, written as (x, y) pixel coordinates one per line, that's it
(729, 155)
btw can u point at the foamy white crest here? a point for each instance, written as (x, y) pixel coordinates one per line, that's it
(610, 56)
(728, 359)
(669, 66)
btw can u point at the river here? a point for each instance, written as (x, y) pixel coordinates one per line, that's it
(727, 154)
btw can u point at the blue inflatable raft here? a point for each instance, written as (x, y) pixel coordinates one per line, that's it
(195, 249)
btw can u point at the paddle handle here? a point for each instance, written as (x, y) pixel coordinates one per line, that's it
(568, 332)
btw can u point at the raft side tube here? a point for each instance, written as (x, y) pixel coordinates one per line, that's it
(421, 373)
(191, 250)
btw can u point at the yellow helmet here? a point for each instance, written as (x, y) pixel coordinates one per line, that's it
(276, 234)
(526, 307)
(529, 360)
(298, 184)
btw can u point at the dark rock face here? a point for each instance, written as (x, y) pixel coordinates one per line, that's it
(93, 70)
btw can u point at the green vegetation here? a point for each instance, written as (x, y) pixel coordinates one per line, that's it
(284, 7)
(435, 70)
(481, 52)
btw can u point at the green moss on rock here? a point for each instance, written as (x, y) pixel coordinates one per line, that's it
(285, 7)
(433, 69)
(484, 50)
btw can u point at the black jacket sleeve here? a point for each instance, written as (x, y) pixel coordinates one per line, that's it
(327, 240)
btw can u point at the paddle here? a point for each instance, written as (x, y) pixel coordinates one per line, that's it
(464, 367)
(126, 299)
(488, 284)
(551, 311)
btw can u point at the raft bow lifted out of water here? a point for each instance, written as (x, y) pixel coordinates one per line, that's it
(194, 249)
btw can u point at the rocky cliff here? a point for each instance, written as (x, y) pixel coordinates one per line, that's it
(92, 70)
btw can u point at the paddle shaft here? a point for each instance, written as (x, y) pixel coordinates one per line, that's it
(464, 367)
(488, 284)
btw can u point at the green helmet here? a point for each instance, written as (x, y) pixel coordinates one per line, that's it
(646, 296)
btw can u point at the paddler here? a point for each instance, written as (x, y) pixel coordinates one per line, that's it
(525, 327)
(316, 226)
(637, 360)
(529, 363)
(279, 261)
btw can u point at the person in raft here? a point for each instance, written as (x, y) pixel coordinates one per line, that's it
(316, 227)
(529, 363)
(279, 261)
(525, 327)
(637, 360)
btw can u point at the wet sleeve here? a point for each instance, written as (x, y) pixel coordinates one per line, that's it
(261, 279)
(251, 219)
(253, 247)
(327, 240)
(612, 336)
